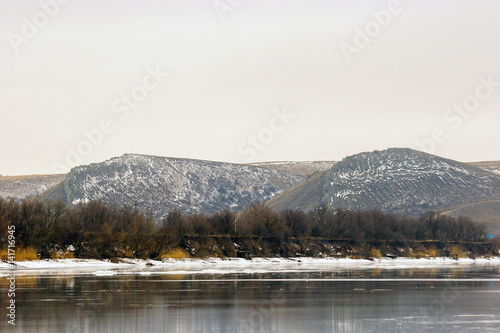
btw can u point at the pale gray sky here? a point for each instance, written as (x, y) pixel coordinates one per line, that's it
(343, 76)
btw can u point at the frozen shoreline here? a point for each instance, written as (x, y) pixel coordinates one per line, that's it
(225, 266)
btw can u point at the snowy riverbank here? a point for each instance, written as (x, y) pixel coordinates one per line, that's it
(226, 266)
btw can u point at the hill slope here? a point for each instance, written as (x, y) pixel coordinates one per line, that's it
(492, 166)
(486, 211)
(305, 196)
(162, 184)
(20, 187)
(399, 180)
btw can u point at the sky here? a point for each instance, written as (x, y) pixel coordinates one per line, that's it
(82, 81)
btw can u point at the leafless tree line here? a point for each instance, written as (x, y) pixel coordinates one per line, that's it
(99, 230)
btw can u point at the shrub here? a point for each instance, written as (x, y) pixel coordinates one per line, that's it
(457, 252)
(418, 254)
(434, 252)
(375, 253)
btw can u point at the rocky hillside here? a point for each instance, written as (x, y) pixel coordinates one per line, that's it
(162, 184)
(20, 187)
(399, 180)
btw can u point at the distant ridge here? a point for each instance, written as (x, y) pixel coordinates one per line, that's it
(20, 187)
(304, 168)
(492, 166)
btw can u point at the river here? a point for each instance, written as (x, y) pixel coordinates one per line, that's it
(462, 298)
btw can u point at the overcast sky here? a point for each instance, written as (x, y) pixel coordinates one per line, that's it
(245, 81)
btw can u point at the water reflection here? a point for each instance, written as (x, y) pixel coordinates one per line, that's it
(332, 301)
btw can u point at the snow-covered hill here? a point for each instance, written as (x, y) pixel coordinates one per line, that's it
(406, 180)
(162, 184)
(399, 180)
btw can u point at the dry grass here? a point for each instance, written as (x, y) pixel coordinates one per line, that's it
(21, 254)
(434, 252)
(176, 253)
(355, 256)
(457, 252)
(375, 253)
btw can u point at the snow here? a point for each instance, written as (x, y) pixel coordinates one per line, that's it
(225, 266)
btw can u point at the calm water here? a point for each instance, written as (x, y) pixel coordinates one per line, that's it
(465, 299)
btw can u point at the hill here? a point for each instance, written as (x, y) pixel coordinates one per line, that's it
(20, 187)
(163, 184)
(398, 180)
